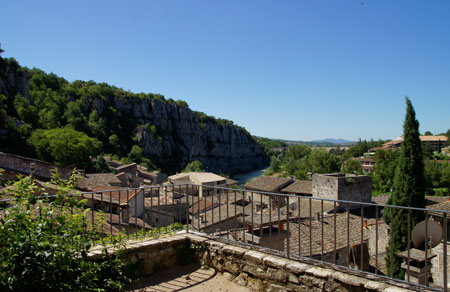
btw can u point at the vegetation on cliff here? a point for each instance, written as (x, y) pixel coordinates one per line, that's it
(143, 127)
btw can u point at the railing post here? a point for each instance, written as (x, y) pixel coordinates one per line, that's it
(187, 208)
(444, 246)
(376, 240)
(287, 227)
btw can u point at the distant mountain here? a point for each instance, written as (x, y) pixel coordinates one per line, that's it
(333, 141)
(328, 142)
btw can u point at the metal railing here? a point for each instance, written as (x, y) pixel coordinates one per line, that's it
(345, 234)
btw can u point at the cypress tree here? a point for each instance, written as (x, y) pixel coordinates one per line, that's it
(408, 190)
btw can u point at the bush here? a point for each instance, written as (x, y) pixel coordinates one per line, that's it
(44, 244)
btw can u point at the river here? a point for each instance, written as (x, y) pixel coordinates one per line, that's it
(243, 178)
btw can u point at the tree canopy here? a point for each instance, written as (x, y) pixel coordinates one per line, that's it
(65, 146)
(194, 166)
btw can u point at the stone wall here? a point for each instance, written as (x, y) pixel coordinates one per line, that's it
(339, 186)
(27, 166)
(437, 268)
(254, 269)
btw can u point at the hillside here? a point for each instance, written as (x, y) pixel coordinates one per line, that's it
(166, 133)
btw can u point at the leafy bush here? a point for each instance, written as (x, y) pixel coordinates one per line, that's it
(44, 244)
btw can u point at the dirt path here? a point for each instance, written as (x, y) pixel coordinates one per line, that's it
(189, 278)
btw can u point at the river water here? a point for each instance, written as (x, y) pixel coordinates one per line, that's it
(243, 178)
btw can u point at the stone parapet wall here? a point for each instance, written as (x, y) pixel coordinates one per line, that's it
(25, 165)
(256, 270)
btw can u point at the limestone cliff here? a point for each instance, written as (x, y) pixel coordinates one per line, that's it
(171, 135)
(182, 137)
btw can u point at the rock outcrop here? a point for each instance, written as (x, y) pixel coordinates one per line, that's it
(170, 135)
(182, 137)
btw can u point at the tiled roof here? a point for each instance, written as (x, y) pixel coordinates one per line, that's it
(268, 183)
(301, 239)
(299, 187)
(434, 138)
(90, 181)
(202, 206)
(107, 194)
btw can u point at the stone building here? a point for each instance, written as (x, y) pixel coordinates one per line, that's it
(338, 186)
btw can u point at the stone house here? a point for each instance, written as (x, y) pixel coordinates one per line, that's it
(205, 179)
(165, 209)
(127, 203)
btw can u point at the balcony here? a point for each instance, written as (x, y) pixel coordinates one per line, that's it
(264, 240)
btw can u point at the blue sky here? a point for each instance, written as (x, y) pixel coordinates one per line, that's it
(298, 70)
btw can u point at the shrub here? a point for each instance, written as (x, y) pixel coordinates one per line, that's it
(44, 244)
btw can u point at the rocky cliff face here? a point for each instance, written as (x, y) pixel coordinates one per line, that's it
(13, 79)
(170, 135)
(181, 137)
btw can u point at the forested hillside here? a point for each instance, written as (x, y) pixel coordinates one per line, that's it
(47, 117)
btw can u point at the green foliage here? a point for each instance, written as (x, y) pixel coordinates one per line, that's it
(362, 147)
(320, 161)
(25, 111)
(384, 170)
(97, 125)
(3, 109)
(137, 155)
(300, 161)
(114, 142)
(99, 110)
(445, 175)
(65, 146)
(408, 189)
(44, 244)
(352, 166)
(194, 166)
(270, 144)
(100, 165)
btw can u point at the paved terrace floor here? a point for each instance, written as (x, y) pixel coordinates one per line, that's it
(189, 278)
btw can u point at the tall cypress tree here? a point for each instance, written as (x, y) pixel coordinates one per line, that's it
(408, 190)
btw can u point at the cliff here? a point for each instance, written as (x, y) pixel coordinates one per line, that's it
(170, 133)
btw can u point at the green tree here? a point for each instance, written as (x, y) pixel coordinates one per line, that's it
(408, 190)
(3, 111)
(384, 170)
(75, 116)
(433, 175)
(136, 154)
(65, 146)
(193, 166)
(97, 125)
(445, 175)
(352, 166)
(114, 141)
(25, 111)
(320, 161)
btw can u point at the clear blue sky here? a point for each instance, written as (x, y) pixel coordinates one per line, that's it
(299, 70)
